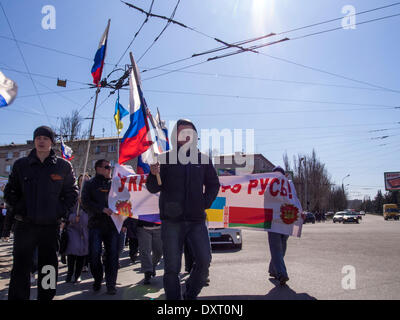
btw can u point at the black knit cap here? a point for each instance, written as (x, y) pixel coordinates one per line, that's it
(278, 169)
(44, 131)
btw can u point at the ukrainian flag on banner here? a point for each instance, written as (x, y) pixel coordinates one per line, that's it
(215, 215)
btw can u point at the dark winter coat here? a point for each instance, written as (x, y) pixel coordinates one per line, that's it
(41, 193)
(187, 190)
(78, 234)
(94, 200)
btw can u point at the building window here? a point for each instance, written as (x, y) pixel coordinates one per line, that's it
(97, 150)
(9, 155)
(112, 148)
(22, 154)
(8, 168)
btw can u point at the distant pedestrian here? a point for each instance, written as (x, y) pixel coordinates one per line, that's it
(121, 245)
(131, 236)
(150, 248)
(277, 246)
(78, 240)
(41, 190)
(3, 213)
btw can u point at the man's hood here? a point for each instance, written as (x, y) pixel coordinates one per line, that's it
(174, 138)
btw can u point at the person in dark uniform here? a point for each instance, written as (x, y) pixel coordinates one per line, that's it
(101, 228)
(40, 191)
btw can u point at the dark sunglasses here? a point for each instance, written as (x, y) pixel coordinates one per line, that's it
(107, 167)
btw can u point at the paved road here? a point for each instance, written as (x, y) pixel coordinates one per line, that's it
(314, 262)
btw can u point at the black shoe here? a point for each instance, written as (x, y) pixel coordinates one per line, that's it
(133, 258)
(63, 259)
(68, 279)
(77, 280)
(153, 274)
(272, 275)
(147, 277)
(96, 286)
(111, 291)
(185, 297)
(283, 280)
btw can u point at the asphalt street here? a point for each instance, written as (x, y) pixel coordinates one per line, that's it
(330, 261)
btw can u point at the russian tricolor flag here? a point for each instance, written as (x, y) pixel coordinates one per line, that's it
(66, 152)
(97, 68)
(142, 168)
(8, 90)
(137, 138)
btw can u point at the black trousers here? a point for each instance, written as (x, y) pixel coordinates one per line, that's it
(133, 246)
(28, 237)
(75, 265)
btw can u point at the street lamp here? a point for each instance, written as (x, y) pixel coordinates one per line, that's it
(305, 181)
(343, 180)
(343, 186)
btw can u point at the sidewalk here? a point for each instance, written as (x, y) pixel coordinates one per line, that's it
(129, 282)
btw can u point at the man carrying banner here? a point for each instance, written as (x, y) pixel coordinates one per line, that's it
(277, 246)
(189, 186)
(101, 227)
(41, 190)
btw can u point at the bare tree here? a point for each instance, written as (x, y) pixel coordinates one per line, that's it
(71, 127)
(313, 184)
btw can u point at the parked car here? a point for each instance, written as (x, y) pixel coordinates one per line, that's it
(362, 213)
(227, 236)
(359, 215)
(351, 217)
(309, 217)
(329, 214)
(338, 217)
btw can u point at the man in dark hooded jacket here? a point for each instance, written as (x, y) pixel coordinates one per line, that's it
(40, 190)
(189, 185)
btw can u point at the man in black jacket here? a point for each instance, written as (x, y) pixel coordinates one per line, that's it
(101, 227)
(189, 186)
(41, 190)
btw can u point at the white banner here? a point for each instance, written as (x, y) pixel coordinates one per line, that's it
(266, 201)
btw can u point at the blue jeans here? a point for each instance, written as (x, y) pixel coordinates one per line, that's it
(111, 240)
(173, 235)
(277, 247)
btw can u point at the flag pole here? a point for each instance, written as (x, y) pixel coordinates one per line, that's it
(118, 131)
(88, 148)
(118, 146)
(135, 72)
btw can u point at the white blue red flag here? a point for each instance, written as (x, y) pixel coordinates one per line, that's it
(66, 152)
(97, 68)
(142, 168)
(8, 90)
(161, 134)
(162, 145)
(137, 138)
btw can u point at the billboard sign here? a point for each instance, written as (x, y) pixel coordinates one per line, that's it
(392, 181)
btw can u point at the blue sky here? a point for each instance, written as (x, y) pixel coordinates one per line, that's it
(292, 109)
